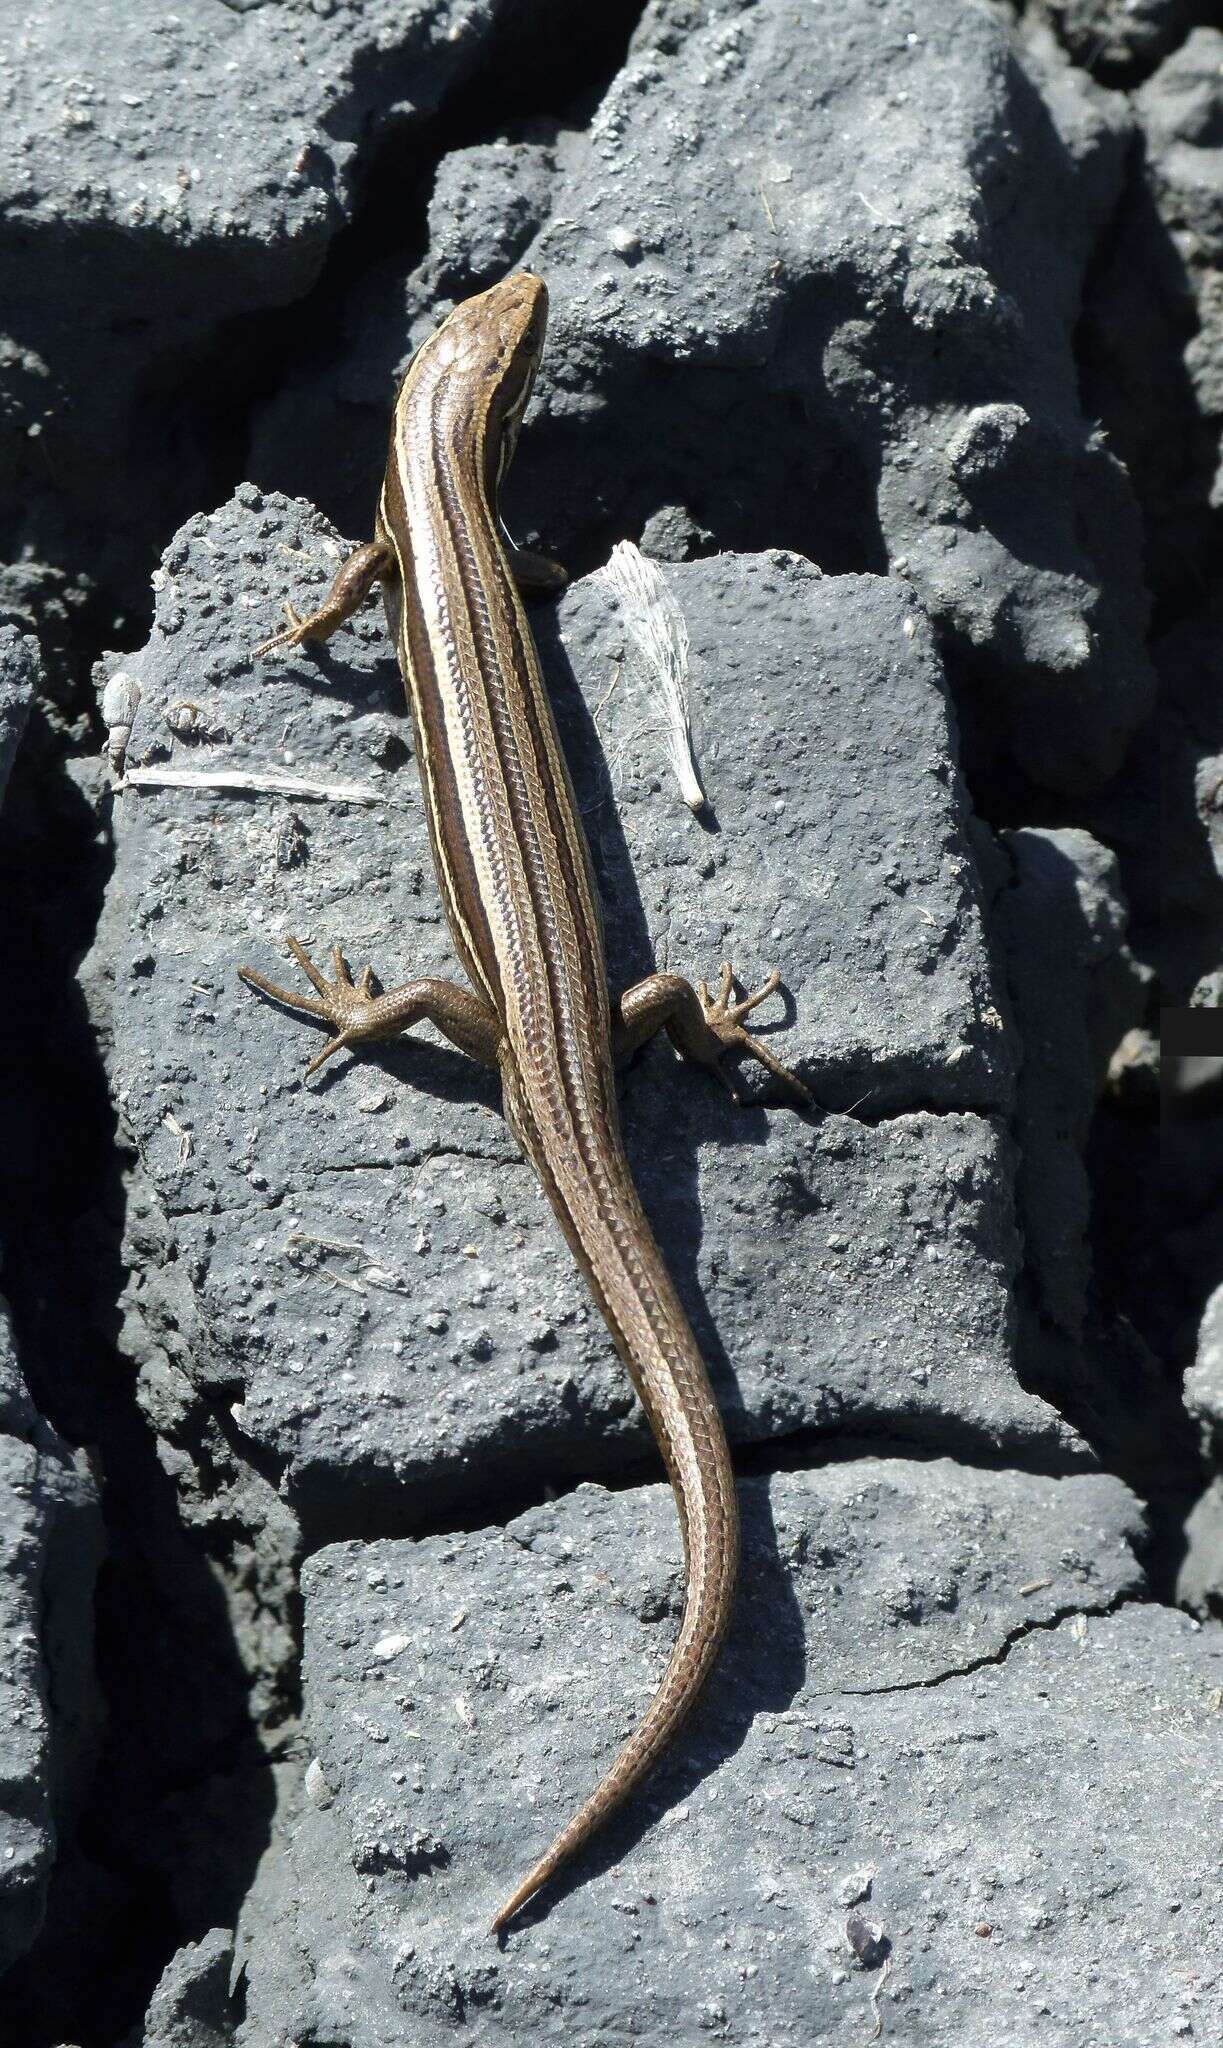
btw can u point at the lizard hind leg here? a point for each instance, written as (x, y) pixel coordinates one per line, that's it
(703, 1028)
(358, 1016)
(724, 1017)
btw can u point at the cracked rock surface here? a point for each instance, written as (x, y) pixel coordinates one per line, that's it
(335, 1562)
(373, 1266)
(871, 305)
(915, 1718)
(142, 213)
(50, 1549)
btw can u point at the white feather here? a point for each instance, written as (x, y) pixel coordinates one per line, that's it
(660, 634)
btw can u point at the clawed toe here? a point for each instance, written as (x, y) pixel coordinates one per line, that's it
(291, 635)
(333, 1045)
(725, 1020)
(291, 998)
(341, 1002)
(738, 1011)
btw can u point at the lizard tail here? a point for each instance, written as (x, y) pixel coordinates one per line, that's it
(655, 1339)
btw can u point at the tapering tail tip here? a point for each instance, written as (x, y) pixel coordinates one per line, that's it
(526, 1890)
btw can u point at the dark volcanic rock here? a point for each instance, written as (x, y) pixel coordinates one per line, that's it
(163, 174)
(19, 678)
(844, 327)
(1190, 867)
(874, 324)
(915, 1720)
(1200, 1584)
(191, 2006)
(1181, 110)
(368, 1266)
(1119, 40)
(1076, 990)
(50, 1549)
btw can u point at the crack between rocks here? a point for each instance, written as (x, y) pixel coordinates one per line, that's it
(802, 1451)
(1038, 1625)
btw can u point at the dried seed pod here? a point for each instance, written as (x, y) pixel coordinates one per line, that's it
(120, 699)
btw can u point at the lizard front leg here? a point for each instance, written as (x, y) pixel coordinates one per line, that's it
(703, 1028)
(350, 586)
(359, 1017)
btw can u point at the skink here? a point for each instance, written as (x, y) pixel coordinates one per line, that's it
(516, 883)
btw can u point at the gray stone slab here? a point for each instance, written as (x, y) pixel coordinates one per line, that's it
(307, 1973)
(843, 325)
(840, 846)
(365, 1263)
(96, 137)
(926, 1717)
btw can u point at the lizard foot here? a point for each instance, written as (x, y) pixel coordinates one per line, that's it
(724, 1018)
(295, 634)
(351, 1008)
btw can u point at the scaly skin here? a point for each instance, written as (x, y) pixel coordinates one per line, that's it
(515, 878)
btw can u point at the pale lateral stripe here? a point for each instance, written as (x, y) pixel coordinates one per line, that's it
(489, 838)
(488, 826)
(429, 771)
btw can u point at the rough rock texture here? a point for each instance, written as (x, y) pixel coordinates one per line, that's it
(1181, 110)
(50, 1549)
(1191, 1134)
(142, 212)
(1200, 1584)
(371, 1266)
(924, 296)
(866, 296)
(191, 2006)
(1118, 40)
(937, 1740)
(18, 679)
(1190, 658)
(1204, 1381)
(1152, 333)
(1076, 990)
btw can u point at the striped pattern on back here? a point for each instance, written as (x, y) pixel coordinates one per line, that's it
(515, 876)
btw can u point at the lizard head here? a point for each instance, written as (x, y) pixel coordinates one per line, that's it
(491, 345)
(514, 321)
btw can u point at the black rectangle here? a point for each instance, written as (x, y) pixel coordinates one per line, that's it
(1192, 1034)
